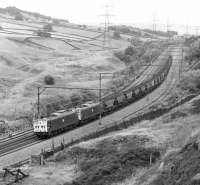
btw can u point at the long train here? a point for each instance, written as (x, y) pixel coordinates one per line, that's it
(63, 120)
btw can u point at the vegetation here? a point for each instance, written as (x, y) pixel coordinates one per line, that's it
(49, 80)
(42, 33)
(126, 30)
(111, 161)
(190, 82)
(19, 17)
(137, 32)
(59, 102)
(56, 21)
(3, 126)
(134, 57)
(193, 52)
(181, 167)
(116, 35)
(48, 28)
(13, 11)
(141, 52)
(162, 33)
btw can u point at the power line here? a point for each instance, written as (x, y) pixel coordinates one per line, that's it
(168, 25)
(197, 31)
(154, 22)
(187, 29)
(106, 37)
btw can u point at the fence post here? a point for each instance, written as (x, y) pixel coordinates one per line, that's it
(150, 159)
(63, 142)
(124, 123)
(42, 157)
(52, 145)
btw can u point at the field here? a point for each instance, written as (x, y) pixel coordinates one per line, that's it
(25, 62)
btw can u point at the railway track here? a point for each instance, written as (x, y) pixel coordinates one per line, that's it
(27, 139)
(81, 131)
(147, 69)
(18, 144)
(171, 85)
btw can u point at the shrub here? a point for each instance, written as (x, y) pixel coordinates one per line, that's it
(112, 161)
(56, 21)
(196, 107)
(116, 35)
(75, 99)
(19, 17)
(191, 81)
(43, 33)
(49, 80)
(119, 55)
(48, 28)
(129, 51)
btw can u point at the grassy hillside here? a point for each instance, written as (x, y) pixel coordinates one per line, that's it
(72, 55)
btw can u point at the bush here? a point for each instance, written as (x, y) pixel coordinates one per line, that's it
(48, 28)
(43, 33)
(116, 35)
(49, 80)
(191, 82)
(56, 21)
(129, 51)
(119, 55)
(112, 161)
(196, 107)
(19, 17)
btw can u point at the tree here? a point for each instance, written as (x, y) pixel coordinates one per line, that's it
(127, 59)
(48, 28)
(116, 35)
(56, 21)
(49, 80)
(43, 33)
(119, 55)
(129, 51)
(19, 17)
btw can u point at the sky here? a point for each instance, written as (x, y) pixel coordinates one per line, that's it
(175, 12)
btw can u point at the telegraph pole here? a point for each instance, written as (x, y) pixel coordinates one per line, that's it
(38, 103)
(100, 97)
(181, 63)
(100, 78)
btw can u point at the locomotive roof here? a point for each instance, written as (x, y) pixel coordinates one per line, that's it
(88, 105)
(60, 113)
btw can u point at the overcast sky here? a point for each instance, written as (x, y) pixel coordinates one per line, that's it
(180, 12)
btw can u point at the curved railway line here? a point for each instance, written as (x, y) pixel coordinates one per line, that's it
(134, 82)
(19, 141)
(170, 86)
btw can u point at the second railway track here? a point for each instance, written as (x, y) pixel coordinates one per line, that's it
(21, 142)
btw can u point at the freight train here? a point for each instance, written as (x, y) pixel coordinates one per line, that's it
(63, 120)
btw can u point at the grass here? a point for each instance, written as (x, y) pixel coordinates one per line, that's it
(111, 160)
(180, 167)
